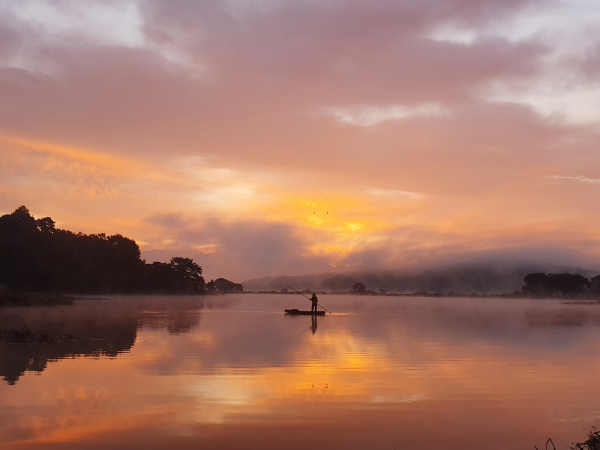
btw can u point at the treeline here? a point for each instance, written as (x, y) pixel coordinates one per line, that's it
(223, 286)
(472, 278)
(562, 285)
(35, 256)
(536, 285)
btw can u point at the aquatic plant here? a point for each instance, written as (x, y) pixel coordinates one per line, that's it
(592, 443)
(549, 441)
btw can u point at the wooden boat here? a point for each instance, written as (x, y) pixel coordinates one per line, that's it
(297, 312)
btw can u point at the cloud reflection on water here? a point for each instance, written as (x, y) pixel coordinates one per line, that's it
(463, 372)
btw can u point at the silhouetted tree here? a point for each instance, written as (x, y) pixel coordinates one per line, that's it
(190, 274)
(46, 225)
(536, 285)
(211, 287)
(568, 284)
(555, 284)
(594, 288)
(359, 288)
(223, 286)
(35, 256)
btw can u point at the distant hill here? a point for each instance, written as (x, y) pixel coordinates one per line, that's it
(482, 278)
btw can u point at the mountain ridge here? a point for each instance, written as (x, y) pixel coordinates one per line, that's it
(461, 278)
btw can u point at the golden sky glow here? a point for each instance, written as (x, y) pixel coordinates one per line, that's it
(362, 136)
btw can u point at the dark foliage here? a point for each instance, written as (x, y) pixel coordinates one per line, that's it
(8, 298)
(592, 443)
(594, 287)
(557, 285)
(181, 275)
(223, 286)
(35, 256)
(359, 288)
(480, 278)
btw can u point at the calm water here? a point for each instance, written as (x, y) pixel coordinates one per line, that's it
(234, 372)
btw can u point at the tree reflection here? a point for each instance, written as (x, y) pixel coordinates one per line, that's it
(94, 329)
(176, 322)
(104, 340)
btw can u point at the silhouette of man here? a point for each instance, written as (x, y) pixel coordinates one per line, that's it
(314, 301)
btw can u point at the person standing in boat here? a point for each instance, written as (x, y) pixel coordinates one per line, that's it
(314, 301)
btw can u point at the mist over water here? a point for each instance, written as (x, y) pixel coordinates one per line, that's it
(235, 372)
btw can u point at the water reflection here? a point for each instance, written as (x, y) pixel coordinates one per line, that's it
(95, 328)
(234, 372)
(97, 340)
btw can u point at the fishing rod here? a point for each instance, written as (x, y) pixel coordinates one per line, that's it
(306, 297)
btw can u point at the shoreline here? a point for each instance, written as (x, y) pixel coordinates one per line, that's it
(13, 299)
(573, 300)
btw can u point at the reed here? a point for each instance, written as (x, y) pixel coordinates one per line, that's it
(592, 443)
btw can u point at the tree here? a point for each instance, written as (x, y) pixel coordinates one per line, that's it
(190, 273)
(568, 284)
(224, 286)
(536, 284)
(35, 256)
(46, 225)
(555, 284)
(211, 287)
(594, 289)
(359, 288)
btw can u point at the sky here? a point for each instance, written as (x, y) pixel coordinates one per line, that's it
(305, 136)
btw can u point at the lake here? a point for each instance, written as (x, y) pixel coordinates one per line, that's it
(233, 372)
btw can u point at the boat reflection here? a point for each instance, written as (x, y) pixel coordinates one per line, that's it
(381, 373)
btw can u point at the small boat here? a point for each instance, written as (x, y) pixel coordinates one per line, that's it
(297, 312)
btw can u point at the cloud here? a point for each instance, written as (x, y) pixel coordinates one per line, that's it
(369, 116)
(242, 249)
(570, 101)
(457, 114)
(253, 249)
(390, 193)
(111, 22)
(577, 179)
